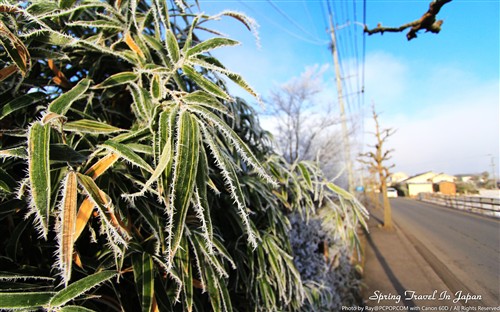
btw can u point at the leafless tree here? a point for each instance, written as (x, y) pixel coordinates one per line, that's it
(376, 161)
(304, 126)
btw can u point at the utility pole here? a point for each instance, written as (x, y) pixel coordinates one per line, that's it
(493, 171)
(343, 119)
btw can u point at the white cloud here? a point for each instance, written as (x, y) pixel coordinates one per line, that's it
(447, 118)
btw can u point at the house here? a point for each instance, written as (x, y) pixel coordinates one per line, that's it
(396, 177)
(420, 183)
(424, 183)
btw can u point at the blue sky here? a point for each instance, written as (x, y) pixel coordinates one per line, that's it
(441, 92)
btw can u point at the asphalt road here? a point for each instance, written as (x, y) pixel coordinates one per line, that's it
(464, 248)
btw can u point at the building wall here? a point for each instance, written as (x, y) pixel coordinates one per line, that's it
(415, 189)
(447, 188)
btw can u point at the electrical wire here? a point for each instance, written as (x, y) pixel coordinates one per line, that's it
(284, 29)
(291, 20)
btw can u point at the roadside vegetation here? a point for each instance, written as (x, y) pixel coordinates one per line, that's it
(131, 180)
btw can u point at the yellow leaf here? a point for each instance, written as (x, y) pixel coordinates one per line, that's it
(68, 218)
(83, 216)
(133, 46)
(102, 165)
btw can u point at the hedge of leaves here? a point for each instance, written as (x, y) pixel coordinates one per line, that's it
(129, 178)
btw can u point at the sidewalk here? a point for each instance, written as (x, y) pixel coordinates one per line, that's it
(394, 270)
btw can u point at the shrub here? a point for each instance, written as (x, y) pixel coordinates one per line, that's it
(130, 179)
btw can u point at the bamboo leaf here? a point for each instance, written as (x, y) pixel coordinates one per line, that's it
(113, 226)
(206, 100)
(16, 49)
(232, 182)
(211, 63)
(79, 288)
(186, 274)
(96, 24)
(240, 146)
(142, 101)
(102, 165)
(16, 152)
(147, 282)
(156, 87)
(64, 153)
(127, 153)
(210, 44)
(305, 174)
(117, 79)
(172, 47)
(39, 174)
(90, 126)
(24, 300)
(184, 174)
(6, 72)
(62, 104)
(73, 308)
(19, 103)
(66, 232)
(204, 83)
(133, 45)
(83, 216)
(163, 162)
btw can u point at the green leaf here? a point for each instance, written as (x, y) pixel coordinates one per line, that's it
(90, 126)
(64, 153)
(96, 24)
(147, 282)
(39, 173)
(16, 152)
(7, 182)
(186, 274)
(305, 174)
(65, 4)
(142, 101)
(172, 47)
(72, 308)
(127, 153)
(204, 83)
(117, 79)
(202, 178)
(24, 300)
(184, 174)
(210, 44)
(206, 100)
(211, 63)
(62, 104)
(156, 87)
(12, 276)
(240, 145)
(79, 288)
(19, 103)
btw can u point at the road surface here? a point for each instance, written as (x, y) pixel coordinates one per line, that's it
(464, 248)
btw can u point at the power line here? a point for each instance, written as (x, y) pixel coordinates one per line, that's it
(291, 20)
(284, 29)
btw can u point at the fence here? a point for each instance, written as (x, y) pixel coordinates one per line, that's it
(481, 205)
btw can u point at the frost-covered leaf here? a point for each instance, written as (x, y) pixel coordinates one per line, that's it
(79, 288)
(90, 126)
(210, 44)
(63, 103)
(39, 174)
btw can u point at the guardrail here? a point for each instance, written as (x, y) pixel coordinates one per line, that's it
(481, 205)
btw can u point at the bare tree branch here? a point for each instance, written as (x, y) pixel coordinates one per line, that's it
(427, 22)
